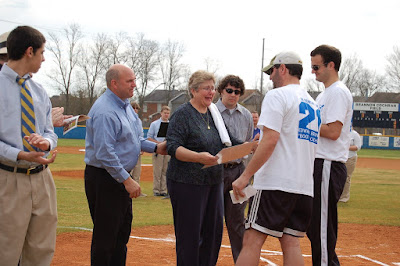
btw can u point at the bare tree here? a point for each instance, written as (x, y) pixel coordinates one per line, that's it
(255, 85)
(143, 60)
(117, 53)
(369, 83)
(360, 80)
(93, 64)
(66, 55)
(133, 51)
(311, 84)
(169, 62)
(185, 76)
(393, 69)
(350, 73)
(212, 65)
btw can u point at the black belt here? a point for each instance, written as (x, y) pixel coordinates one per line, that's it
(231, 165)
(28, 171)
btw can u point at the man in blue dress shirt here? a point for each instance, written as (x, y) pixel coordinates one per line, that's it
(113, 145)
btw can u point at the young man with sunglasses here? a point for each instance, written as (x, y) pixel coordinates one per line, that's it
(282, 165)
(239, 122)
(329, 167)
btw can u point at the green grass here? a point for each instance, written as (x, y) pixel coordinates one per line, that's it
(67, 161)
(375, 195)
(72, 205)
(146, 160)
(151, 210)
(374, 198)
(73, 210)
(71, 142)
(375, 153)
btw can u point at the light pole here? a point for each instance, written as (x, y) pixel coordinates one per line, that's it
(262, 66)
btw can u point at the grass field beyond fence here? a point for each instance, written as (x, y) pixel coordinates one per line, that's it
(375, 195)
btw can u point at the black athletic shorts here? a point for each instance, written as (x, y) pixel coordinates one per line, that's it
(276, 212)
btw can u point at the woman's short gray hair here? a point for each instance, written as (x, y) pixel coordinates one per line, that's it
(199, 77)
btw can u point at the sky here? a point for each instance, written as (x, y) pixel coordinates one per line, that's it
(229, 32)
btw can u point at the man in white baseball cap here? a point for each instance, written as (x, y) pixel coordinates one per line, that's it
(289, 125)
(286, 58)
(3, 48)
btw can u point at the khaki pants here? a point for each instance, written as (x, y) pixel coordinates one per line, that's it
(160, 165)
(28, 218)
(137, 170)
(350, 165)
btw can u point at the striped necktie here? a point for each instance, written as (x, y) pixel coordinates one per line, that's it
(27, 114)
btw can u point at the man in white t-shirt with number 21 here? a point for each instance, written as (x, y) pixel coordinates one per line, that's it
(282, 165)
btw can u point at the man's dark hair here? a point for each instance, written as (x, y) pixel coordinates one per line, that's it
(232, 80)
(328, 54)
(4, 57)
(294, 70)
(20, 39)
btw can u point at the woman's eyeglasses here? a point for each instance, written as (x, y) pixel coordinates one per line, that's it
(212, 89)
(231, 90)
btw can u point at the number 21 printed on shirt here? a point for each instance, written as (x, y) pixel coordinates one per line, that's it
(308, 127)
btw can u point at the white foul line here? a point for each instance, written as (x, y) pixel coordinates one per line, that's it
(269, 252)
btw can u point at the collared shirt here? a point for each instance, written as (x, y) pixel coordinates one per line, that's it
(10, 116)
(113, 137)
(153, 130)
(256, 131)
(239, 121)
(355, 140)
(140, 126)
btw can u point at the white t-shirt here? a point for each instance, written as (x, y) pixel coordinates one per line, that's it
(336, 105)
(355, 140)
(292, 112)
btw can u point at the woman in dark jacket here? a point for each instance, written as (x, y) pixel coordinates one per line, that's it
(196, 194)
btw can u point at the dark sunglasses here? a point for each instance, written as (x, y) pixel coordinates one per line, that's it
(231, 90)
(317, 67)
(269, 71)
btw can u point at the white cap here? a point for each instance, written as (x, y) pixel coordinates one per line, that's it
(286, 58)
(3, 42)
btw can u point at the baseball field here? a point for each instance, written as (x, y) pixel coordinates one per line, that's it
(369, 224)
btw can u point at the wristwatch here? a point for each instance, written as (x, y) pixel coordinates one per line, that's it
(155, 149)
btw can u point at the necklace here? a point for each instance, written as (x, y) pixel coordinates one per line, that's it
(208, 121)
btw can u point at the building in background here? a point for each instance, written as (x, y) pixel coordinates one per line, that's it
(153, 102)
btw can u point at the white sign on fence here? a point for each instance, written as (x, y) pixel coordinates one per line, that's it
(378, 141)
(396, 142)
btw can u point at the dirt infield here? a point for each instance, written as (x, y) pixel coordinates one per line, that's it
(154, 245)
(357, 245)
(390, 164)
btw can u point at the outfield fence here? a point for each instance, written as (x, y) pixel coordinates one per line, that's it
(80, 132)
(369, 141)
